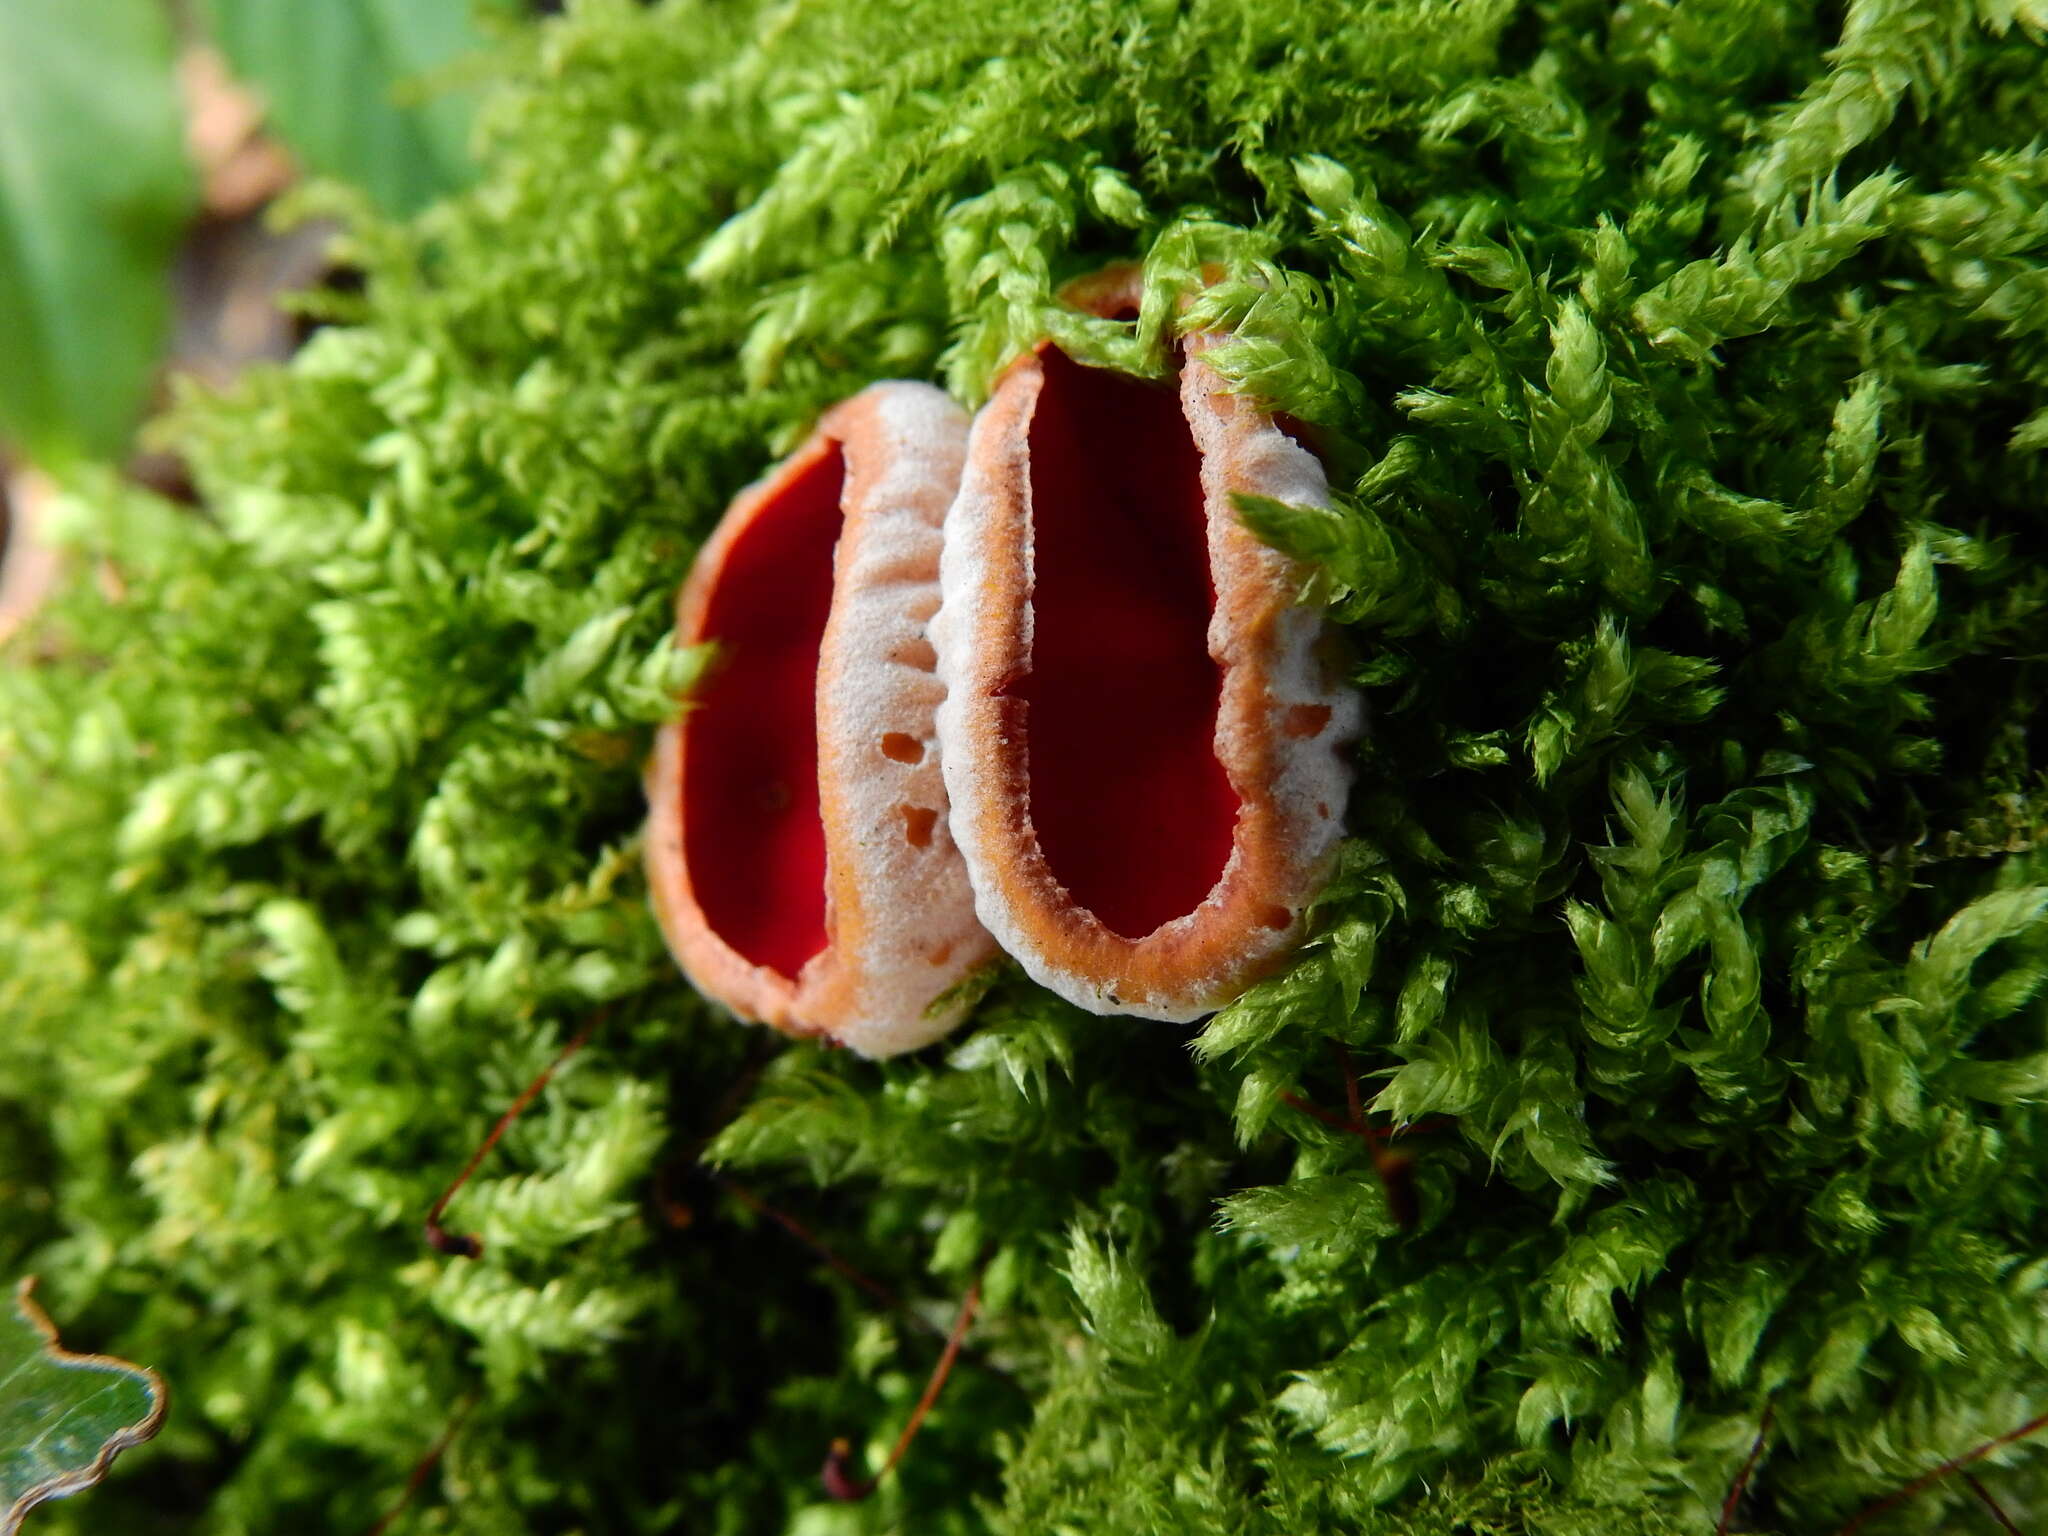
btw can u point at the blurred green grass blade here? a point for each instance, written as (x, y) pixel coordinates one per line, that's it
(94, 191)
(341, 80)
(63, 1417)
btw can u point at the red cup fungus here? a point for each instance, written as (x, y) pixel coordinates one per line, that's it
(1142, 731)
(798, 849)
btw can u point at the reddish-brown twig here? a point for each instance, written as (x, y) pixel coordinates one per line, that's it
(1366, 1133)
(759, 1054)
(1947, 1468)
(1997, 1510)
(420, 1473)
(467, 1245)
(679, 1213)
(837, 1262)
(817, 1245)
(1316, 1111)
(1396, 1170)
(1354, 1107)
(1741, 1484)
(837, 1475)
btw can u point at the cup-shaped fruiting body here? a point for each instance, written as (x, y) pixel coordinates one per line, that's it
(1143, 734)
(798, 849)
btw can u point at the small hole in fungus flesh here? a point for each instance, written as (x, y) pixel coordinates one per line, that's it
(751, 827)
(1132, 809)
(918, 653)
(918, 822)
(1306, 720)
(899, 748)
(1276, 917)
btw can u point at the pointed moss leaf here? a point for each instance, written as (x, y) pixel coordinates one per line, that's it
(1423, 995)
(1119, 1309)
(1115, 198)
(343, 83)
(959, 1240)
(1333, 1215)
(1364, 570)
(1258, 1096)
(1882, 639)
(521, 1325)
(1923, 1331)
(1844, 1204)
(1734, 1308)
(1471, 749)
(1567, 1387)
(1445, 1072)
(1887, 52)
(1839, 1360)
(1756, 283)
(1620, 1250)
(1848, 468)
(1888, 1067)
(552, 684)
(1298, 995)
(966, 993)
(2024, 1081)
(1027, 1042)
(1940, 968)
(1548, 1125)
(584, 1189)
(657, 685)
(63, 1417)
(1576, 373)
(1353, 947)
(2002, 15)
(93, 193)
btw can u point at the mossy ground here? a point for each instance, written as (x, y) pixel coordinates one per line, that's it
(1684, 371)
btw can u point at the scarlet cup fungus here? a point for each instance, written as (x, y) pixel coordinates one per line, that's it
(797, 846)
(1141, 739)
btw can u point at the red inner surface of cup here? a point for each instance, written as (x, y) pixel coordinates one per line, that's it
(1133, 811)
(752, 836)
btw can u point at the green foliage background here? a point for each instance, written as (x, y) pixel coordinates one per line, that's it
(1684, 371)
(96, 191)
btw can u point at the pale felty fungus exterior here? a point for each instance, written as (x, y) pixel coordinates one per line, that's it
(798, 847)
(1143, 734)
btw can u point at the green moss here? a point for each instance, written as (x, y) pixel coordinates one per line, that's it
(1683, 373)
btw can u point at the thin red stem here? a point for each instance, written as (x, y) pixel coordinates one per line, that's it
(1741, 1484)
(1355, 1121)
(1929, 1479)
(420, 1473)
(467, 1245)
(1382, 1159)
(816, 1244)
(1395, 1169)
(756, 1062)
(837, 1475)
(1316, 1111)
(1997, 1510)
(1354, 1105)
(677, 1213)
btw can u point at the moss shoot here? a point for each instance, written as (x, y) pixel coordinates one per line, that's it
(1682, 371)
